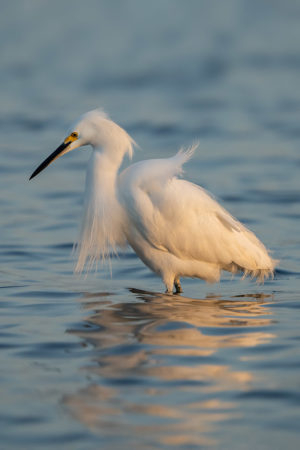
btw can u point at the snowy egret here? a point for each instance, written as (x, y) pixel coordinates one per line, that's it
(174, 226)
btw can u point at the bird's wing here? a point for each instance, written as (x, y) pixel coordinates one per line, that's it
(179, 217)
(142, 189)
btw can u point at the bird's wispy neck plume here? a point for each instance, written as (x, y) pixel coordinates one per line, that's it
(101, 229)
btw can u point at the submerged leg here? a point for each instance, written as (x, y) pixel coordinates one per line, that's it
(177, 285)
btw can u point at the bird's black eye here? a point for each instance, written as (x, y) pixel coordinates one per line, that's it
(74, 134)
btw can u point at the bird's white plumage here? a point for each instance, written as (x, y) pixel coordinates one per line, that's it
(178, 229)
(174, 226)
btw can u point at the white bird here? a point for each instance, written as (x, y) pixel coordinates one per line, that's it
(174, 226)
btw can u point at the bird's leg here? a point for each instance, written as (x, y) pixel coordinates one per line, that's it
(177, 285)
(169, 283)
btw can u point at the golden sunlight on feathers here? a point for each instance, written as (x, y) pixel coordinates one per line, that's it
(174, 226)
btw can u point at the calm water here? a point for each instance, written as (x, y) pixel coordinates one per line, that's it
(101, 362)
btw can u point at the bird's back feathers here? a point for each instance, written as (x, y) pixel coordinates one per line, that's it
(181, 218)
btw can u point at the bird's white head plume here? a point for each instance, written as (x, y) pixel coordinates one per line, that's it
(95, 128)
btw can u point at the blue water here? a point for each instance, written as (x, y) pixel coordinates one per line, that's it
(110, 362)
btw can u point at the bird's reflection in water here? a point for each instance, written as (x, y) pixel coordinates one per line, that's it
(163, 368)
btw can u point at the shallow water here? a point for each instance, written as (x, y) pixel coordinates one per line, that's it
(111, 362)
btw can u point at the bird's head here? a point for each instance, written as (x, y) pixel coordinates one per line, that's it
(96, 129)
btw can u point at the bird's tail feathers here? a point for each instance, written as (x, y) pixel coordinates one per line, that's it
(258, 273)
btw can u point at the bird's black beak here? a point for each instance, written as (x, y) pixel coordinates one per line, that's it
(56, 154)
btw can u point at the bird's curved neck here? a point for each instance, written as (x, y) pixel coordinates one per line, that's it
(101, 175)
(106, 160)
